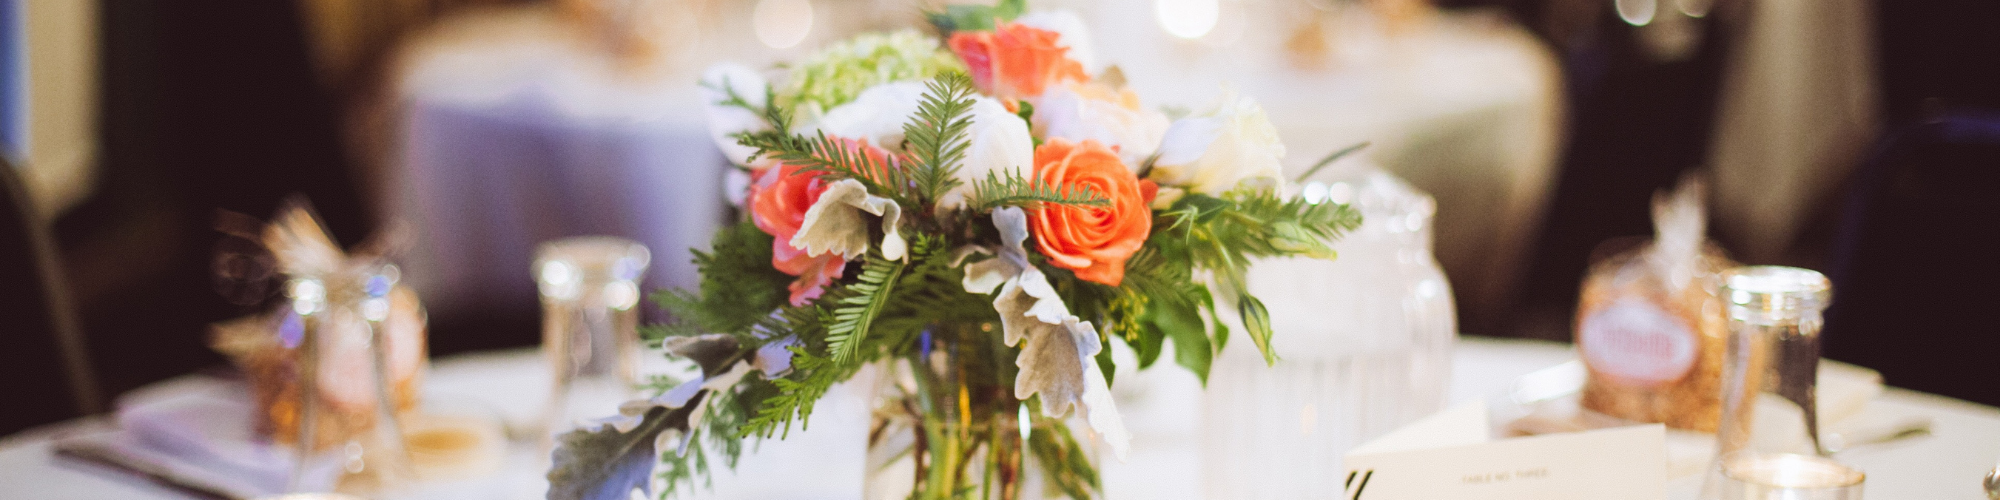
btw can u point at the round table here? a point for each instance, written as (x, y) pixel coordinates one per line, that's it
(823, 461)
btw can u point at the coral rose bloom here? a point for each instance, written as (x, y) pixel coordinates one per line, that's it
(778, 204)
(1015, 61)
(1093, 241)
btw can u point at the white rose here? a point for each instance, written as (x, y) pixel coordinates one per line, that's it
(999, 144)
(999, 139)
(1117, 122)
(876, 115)
(1215, 151)
(726, 120)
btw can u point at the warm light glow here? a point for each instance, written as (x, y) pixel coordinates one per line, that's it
(1188, 19)
(1637, 12)
(621, 295)
(1785, 470)
(782, 23)
(1694, 8)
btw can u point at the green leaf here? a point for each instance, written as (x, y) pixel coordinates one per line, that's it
(1105, 363)
(862, 303)
(1191, 346)
(1148, 344)
(975, 17)
(1257, 320)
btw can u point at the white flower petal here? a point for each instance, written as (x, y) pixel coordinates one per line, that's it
(1064, 113)
(999, 144)
(1187, 139)
(1215, 152)
(834, 223)
(876, 115)
(1101, 411)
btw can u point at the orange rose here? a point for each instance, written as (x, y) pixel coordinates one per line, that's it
(778, 203)
(1093, 241)
(1015, 61)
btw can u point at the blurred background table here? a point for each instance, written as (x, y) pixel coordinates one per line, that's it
(1160, 408)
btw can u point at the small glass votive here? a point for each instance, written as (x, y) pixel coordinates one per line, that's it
(1768, 441)
(590, 325)
(1789, 476)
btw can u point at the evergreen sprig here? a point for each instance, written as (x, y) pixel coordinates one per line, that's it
(1009, 188)
(936, 135)
(738, 288)
(777, 117)
(860, 304)
(837, 159)
(795, 396)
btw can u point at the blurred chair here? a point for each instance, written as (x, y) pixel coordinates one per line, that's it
(42, 344)
(1913, 263)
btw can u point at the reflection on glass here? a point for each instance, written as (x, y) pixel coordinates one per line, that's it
(1768, 444)
(590, 290)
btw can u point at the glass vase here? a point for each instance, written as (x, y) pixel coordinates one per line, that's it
(946, 425)
(1364, 345)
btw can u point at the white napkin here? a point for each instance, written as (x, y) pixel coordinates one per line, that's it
(198, 436)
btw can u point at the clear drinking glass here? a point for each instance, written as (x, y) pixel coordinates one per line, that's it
(590, 324)
(1767, 442)
(347, 406)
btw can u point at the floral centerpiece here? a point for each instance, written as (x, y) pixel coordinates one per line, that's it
(977, 216)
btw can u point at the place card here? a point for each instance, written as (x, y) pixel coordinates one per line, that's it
(1449, 455)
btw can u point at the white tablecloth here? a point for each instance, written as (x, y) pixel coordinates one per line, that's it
(824, 462)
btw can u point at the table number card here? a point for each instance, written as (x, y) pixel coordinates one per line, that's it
(1448, 456)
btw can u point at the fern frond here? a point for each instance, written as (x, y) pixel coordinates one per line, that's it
(819, 153)
(774, 115)
(863, 302)
(936, 135)
(1011, 189)
(796, 394)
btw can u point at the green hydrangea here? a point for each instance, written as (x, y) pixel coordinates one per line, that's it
(838, 73)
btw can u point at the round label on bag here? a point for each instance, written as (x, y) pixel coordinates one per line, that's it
(1636, 341)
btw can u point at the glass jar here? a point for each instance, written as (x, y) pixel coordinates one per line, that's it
(946, 425)
(1364, 345)
(590, 325)
(1767, 441)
